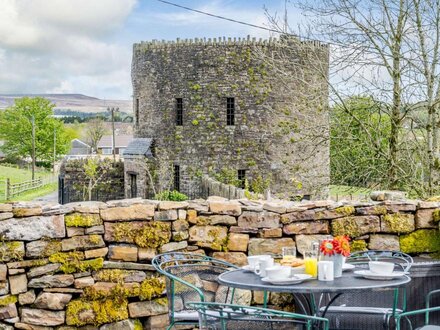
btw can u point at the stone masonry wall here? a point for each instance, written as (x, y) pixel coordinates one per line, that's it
(89, 263)
(281, 124)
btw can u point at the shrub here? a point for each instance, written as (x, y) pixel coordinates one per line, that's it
(168, 195)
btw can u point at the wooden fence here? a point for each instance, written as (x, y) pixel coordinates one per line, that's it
(14, 189)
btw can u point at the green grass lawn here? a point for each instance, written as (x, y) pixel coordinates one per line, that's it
(17, 175)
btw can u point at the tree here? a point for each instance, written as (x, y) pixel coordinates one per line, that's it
(94, 171)
(29, 130)
(388, 50)
(95, 130)
(359, 145)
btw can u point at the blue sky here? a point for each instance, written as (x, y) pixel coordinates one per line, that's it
(84, 46)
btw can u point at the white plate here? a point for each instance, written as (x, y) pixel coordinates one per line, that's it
(347, 267)
(373, 276)
(295, 279)
(248, 268)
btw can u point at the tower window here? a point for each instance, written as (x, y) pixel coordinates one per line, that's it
(137, 111)
(177, 177)
(179, 111)
(242, 177)
(230, 111)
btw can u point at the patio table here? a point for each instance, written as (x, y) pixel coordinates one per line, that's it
(347, 283)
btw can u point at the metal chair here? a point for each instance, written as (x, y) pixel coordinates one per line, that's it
(427, 310)
(365, 310)
(216, 316)
(191, 277)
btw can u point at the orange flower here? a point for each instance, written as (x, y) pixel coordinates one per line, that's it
(337, 245)
(343, 245)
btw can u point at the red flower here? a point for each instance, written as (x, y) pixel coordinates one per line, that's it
(337, 245)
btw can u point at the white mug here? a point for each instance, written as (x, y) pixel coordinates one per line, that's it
(262, 264)
(253, 260)
(325, 271)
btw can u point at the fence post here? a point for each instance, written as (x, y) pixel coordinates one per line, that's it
(7, 191)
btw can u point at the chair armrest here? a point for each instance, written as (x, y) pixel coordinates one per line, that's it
(415, 312)
(429, 296)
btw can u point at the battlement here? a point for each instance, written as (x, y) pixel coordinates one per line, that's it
(221, 41)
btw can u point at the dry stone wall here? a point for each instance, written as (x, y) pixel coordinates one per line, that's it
(89, 263)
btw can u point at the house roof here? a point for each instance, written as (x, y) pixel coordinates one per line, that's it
(139, 147)
(121, 141)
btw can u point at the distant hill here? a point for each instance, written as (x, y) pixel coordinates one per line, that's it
(75, 102)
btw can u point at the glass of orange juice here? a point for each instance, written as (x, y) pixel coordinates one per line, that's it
(311, 263)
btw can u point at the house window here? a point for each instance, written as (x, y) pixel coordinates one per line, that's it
(177, 177)
(106, 151)
(133, 185)
(179, 111)
(137, 112)
(230, 111)
(242, 177)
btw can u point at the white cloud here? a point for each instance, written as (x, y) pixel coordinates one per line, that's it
(45, 45)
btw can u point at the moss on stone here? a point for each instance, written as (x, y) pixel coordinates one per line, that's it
(7, 300)
(80, 312)
(345, 210)
(95, 239)
(72, 262)
(218, 244)
(82, 220)
(11, 251)
(138, 325)
(151, 288)
(152, 235)
(436, 215)
(433, 199)
(380, 210)
(423, 240)
(52, 247)
(398, 222)
(358, 245)
(112, 275)
(347, 226)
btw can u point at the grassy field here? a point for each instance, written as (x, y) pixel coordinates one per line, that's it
(17, 175)
(348, 192)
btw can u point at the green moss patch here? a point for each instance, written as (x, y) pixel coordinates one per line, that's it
(151, 235)
(358, 245)
(399, 222)
(345, 210)
(82, 220)
(436, 215)
(347, 226)
(80, 312)
(72, 262)
(423, 240)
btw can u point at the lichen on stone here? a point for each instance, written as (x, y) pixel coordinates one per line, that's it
(7, 300)
(72, 262)
(82, 220)
(11, 251)
(422, 240)
(380, 210)
(151, 235)
(95, 239)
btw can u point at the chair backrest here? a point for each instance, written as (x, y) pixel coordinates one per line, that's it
(228, 317)
(402, 261)
(191, 277)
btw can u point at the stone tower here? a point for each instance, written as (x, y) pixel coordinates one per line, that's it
(258, 109)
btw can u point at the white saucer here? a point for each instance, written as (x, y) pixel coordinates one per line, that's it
(348, 267)
(248, 268)
(373, 276)
(295, 279)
